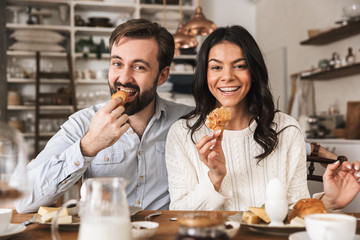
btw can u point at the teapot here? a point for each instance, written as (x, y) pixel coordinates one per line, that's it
(104, 211)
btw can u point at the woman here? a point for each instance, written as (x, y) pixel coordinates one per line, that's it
(230, 170)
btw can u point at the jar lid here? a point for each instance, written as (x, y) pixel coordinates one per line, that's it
(203, 219)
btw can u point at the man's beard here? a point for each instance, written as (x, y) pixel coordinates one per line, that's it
(142, 99)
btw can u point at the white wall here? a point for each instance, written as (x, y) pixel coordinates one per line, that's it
(231, 12)
(284, 23)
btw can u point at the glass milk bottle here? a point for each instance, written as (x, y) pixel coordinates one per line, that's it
(104, 211)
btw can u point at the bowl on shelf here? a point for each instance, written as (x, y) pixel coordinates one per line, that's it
(352, 11)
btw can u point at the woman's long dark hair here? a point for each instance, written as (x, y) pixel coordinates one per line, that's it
(259, 99)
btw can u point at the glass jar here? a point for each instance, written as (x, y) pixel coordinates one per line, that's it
(202, 226)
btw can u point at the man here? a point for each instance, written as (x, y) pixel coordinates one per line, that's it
(110, 140)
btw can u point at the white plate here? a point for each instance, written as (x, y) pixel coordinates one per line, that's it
(265, 228)
(12, 230)
(277, 230)
(75, 222)
(76, 218)
(304, 236)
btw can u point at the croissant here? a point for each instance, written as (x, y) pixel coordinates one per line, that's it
(307, 206)
(218, 118)
(120, 94)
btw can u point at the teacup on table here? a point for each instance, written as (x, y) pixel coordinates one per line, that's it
(5, 218)
(330, 226)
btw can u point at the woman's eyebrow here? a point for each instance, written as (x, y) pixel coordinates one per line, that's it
(235, 61)
(238, 60)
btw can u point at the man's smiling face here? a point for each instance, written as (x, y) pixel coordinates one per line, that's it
(134, 68)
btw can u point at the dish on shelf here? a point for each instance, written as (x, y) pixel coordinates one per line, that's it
(352, 11)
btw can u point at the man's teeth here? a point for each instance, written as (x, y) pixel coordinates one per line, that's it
(229, 89)
(126, 90)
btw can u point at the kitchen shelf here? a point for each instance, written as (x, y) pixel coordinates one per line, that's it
(91, 81)
(49, 107)
(43, 134)
(104, 6)
(92, 56)
(336, 73)
(335, 34)
(15, 26)
(32, 80)
(32, 54)
(39, 3)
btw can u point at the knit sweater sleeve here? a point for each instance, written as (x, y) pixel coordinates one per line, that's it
(189, 189)
(296, 160)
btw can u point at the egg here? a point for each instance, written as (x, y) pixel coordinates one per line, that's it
(275, 189)
(276, 206)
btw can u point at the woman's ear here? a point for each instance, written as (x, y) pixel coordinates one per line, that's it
(163, 76)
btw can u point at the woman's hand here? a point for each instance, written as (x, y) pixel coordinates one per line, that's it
(211, 154)
(341, 184)
(106, 127)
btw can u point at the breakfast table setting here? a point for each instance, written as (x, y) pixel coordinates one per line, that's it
(167, 229)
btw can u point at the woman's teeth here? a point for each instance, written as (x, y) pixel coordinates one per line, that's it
(229, 89)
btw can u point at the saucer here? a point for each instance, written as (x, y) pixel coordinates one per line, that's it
(12, 230)
(303, 236)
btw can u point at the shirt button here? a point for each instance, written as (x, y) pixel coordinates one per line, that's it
(64, 182)
(141, 178)
(77, 163)
(138, 202)
(106, 159)
(131, 131)
(140, 152)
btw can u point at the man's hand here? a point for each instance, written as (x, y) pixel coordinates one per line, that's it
(341, 184)
(106, 127)
(211, 154)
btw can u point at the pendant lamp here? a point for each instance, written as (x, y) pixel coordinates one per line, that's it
(183, 41)
(199, 24)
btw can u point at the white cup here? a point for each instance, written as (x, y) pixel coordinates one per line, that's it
(5, 218)
(330, 226)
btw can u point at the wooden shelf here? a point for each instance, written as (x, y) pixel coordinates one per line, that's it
(335, 34)
(32, 80)
(43, 107)
(336, 73)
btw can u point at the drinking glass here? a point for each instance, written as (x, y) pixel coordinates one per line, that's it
(13, 154)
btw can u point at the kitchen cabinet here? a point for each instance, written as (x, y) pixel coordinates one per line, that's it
(90, 69)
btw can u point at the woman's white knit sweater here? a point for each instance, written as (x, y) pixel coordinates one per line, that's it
(245, 183)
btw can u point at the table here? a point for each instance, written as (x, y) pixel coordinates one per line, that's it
(167, 229)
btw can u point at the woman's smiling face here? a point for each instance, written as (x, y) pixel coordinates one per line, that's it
(228, 76)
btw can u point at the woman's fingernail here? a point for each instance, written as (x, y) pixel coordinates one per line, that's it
(356, 167)
(213, 141)
(217, 132)
(211, 134)
(349, 167)
(358, 174)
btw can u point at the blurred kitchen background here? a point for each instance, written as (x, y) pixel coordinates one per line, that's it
(312, 50)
